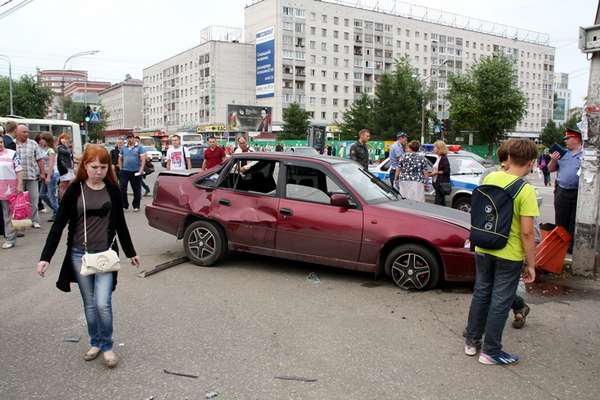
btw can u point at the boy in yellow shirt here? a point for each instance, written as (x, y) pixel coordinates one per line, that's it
(498, 271)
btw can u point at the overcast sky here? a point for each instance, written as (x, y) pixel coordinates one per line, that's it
(134, 34)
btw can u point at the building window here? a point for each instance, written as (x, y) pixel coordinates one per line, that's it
(336, 61)
(324, 46)
(336, 34)
(346, 22)
(324, 60)
(312, 72)
(313, 16)
(335, 89)
(347, 49)
(323, 18)
(398, 43)
(288, 26)
(416, 46)
(346, 36)
(313, 59)
(300, 55)
(323, 115)
(300, 13)
(324, 32)
(287, 54)
(323, 101)
(407, 46)
(336, 48)
(299, 27)
(407, 33)
(336, 20)
(323, 73)
(313, 101)
(358, 23)
(313, 44)
(335, 75)
(323, 88)
(288, 11)
(313, 30)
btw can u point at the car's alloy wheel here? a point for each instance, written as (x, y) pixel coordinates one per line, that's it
(205, 244)
(463, 204)
(413, 266)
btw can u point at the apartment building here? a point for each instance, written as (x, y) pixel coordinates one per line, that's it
(122, 104)
(562, 102)
(71, 83)
(194, 87)
(328, 53)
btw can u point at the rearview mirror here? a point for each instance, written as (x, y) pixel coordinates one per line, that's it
(340, 200)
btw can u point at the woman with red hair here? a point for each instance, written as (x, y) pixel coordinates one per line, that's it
(96, 192)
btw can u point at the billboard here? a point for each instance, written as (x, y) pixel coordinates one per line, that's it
(265, 63)
(242, 118)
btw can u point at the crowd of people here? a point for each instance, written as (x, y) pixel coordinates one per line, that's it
(53, 175)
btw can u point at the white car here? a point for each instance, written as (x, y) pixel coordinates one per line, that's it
(153, 154)
(465, 173)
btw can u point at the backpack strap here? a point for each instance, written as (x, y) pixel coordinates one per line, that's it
(515, 187)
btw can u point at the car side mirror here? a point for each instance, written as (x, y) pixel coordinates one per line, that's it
(207, 184)
(340, 200)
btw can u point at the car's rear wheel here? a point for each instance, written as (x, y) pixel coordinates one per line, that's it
(463, 204)
(205, 243)
(413, 266)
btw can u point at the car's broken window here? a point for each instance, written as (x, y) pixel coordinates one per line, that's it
(309, 184)
(253, 176)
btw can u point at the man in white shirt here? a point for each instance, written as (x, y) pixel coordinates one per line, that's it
(178, 157)
(244, 148)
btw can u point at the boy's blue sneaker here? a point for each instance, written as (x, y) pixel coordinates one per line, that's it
(501, 358)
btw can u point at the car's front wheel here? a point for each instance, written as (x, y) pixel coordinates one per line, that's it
(413, 266)
(463, 204)
(205, 243)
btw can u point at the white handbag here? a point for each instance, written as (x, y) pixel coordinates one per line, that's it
(102, 262)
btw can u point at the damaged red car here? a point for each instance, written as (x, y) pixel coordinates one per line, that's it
(316, 209)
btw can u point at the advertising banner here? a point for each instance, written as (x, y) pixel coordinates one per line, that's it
(265, 63)
(242, 118)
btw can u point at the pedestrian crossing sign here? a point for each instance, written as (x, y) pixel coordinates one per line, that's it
(95, 118)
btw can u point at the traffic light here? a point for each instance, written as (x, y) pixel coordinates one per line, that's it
(448, 125)
(82, 125)
(87, 113)
(444, 125)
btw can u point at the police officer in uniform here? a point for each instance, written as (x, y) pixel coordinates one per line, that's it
(358, 151)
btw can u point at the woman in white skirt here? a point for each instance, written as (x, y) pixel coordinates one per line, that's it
(412, 176)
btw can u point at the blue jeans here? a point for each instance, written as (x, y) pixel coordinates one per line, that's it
(496, 282)
(96, 293)
(136, 185)
(48, 193)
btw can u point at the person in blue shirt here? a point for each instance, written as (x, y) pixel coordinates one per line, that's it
(132, 160)
(396, 150)
(567, 182)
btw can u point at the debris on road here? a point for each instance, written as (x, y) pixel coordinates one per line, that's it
(72, 339)
(178, 374)
(163, 266)
(210, 395)
(312, 277)
(295, 378)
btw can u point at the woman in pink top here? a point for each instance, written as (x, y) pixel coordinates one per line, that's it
(11, 181)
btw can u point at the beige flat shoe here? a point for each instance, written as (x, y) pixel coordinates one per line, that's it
(111, 362)
(91, 354)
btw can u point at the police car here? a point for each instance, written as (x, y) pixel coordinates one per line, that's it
(465, 173)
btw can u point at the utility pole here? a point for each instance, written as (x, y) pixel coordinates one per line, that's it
(586, 253)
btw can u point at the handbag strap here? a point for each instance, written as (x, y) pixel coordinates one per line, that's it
(85, 222)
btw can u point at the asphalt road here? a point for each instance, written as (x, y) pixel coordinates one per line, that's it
(251, 319)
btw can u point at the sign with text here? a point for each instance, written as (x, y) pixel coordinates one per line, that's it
(242, 118)
(265, 63)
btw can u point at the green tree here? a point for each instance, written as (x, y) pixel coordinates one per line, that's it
(486, 101)
(358, 116)
(552, 134)
(30, 98)
(75, 113)
(295, 123)
(398, 103)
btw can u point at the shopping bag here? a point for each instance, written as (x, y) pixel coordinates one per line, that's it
(19, 205)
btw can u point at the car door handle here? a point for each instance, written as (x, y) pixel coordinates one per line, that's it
(286, 211)
(225, 202)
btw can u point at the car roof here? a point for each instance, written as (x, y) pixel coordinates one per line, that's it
(292, 156)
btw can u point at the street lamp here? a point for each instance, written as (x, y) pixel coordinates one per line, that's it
(9, 81)
(424, 104)
(83, 53)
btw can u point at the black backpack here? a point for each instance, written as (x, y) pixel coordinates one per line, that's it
(492, 213)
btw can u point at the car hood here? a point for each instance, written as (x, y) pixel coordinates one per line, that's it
(432, 211)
